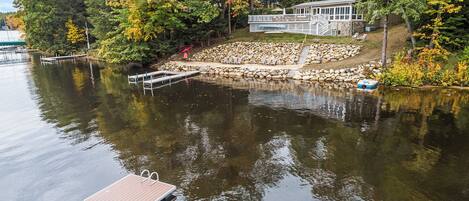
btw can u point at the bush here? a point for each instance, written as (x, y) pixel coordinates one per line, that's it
(446, 78)
(403, 73)
(462, 74)
(465, 55)
(428, 69)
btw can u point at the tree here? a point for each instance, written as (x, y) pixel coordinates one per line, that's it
(101, 17)
(433, 30)
(44, 23)
(75, 34)
(290, 3)
(380, 10)
(409, 10)
(15, 21)
(375, 10)
(148, 30)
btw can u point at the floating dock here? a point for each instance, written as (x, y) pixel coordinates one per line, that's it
(133, 187)
(60, 58)
(167, 78)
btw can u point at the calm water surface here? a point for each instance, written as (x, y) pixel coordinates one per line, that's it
(68, 130)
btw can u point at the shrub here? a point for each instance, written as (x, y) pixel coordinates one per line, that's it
(446, 78)
(403, 73)
(465, 55)
(462, 74)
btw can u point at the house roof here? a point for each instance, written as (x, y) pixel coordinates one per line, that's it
(324, 3)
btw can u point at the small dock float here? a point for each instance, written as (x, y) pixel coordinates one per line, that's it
(60, 58)
(168, 78)
(367, 84)
(136, 188)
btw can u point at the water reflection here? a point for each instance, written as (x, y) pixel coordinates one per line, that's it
(220, 139)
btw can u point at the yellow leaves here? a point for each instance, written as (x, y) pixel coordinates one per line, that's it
(117, 3)
(462, 73)
(239, 6)
(138, 112)
(79, 79)
(403, 73)
(444, 6)
(74, 33)
(15, 21)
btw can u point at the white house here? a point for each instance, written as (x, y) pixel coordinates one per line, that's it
(325, 18)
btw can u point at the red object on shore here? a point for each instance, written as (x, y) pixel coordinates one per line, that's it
(186, 50)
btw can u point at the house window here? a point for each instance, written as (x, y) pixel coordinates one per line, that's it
(342, 13)
(355, 15)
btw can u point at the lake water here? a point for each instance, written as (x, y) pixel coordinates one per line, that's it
(68, 130)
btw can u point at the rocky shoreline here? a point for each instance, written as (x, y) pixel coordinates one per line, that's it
(274, 53)
(347, 75)
(324, 53)
(251, 53)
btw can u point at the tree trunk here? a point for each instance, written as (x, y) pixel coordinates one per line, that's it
(385, 41)
(229, 18)
(409, 28)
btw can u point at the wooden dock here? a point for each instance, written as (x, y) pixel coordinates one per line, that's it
(60, 58)
(154, 83)
(135, 188)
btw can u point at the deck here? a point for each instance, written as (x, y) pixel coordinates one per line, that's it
(133, 187)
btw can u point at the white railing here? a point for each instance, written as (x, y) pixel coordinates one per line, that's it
(292, 23)
(280, 18)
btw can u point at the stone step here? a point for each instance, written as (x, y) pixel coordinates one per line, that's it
(304, 54)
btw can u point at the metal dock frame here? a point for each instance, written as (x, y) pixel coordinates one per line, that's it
(135, 79)
(167, 80)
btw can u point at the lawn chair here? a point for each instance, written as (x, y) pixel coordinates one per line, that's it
(362, 37)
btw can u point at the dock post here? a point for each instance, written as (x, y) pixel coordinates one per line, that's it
(151, 86)
(143, 86)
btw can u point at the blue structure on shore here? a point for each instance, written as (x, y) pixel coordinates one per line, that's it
(11, 38)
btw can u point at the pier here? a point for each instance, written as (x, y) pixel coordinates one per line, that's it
(60, 58)
(167, 78)
(11, 57)
(158, 79)
(134, 79)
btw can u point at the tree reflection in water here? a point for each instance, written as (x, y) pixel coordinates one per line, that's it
(219, 138)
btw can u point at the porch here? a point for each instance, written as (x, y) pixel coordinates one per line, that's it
(291, 23)
(328, 17)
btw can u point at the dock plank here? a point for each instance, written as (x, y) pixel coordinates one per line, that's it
(131, 188)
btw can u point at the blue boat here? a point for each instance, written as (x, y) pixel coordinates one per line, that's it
(367, 84)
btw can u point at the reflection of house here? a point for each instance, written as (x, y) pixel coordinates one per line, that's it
(326, 17)
(321, 102)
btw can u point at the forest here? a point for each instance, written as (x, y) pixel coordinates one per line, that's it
(147, 31)
(128, 30)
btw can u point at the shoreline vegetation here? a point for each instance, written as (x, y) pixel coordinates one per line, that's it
(430, 48)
